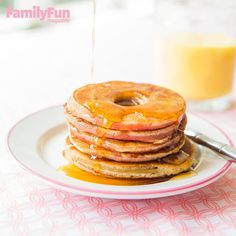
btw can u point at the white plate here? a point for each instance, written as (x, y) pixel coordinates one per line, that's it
(36, 143)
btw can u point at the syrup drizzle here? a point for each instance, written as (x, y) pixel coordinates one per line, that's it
(75, 172)
(103, 105)
(93, 39)
(92, 69)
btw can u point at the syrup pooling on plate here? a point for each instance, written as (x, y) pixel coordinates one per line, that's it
(185, 175)
(75, 172)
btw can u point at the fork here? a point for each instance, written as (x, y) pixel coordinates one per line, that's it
(221, 148)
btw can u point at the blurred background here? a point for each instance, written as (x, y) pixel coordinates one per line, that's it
(42, 62)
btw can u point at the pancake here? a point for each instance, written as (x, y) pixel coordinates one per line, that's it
(129, 106)
(127, 130)
(99, 152)
(142, 136)
(108, 168)
(124, 146)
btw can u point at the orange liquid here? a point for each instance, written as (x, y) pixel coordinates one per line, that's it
(75, 172)
(185, 175)
(196, 66)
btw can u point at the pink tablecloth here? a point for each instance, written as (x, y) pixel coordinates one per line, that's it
(29, 207)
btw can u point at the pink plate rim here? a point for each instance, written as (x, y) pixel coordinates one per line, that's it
(82, 189)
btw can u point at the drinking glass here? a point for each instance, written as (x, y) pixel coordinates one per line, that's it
(196, 50)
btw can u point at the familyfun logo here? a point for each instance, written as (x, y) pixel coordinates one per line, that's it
(50, 14)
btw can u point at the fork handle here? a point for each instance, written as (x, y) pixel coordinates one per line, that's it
(216, 146)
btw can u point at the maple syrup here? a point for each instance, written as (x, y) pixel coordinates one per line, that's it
(148, 104)
(93, 39)
(185, 175)
(77, 173)
(93, 47)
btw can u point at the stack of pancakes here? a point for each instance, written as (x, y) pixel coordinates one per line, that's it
(127, 130)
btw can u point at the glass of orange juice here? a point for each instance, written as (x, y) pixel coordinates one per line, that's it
(196, 50)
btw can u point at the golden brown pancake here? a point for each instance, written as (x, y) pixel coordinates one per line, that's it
(125, 146)
(152, 169)
(100, 152)
(127, 130)
(142, 136)
(129, 106)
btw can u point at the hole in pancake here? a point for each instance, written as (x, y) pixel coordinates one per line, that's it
(130, 99)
